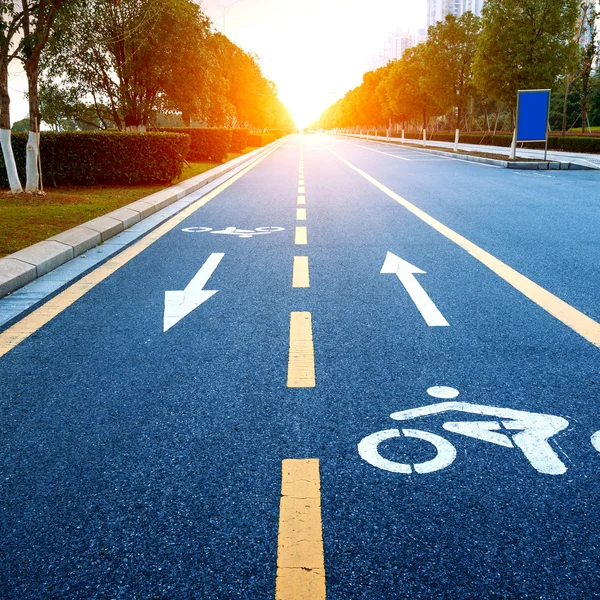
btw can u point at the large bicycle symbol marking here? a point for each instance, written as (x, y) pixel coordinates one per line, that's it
(532, 432)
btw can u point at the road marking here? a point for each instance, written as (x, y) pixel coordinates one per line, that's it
(378, 151)
(301, 236)
(406, 274)
(596, 440)
(300, 275)
(300, 555)
(27, 326)
(559, 309)
(301, 190)
(301, 359)
(301, 199)
(300, 214)
(180, 303)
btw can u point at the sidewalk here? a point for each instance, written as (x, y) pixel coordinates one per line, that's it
(586, 160)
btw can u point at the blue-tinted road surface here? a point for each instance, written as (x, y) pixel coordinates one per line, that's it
(138, 463)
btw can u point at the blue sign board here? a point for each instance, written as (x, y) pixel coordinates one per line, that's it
(533, 109)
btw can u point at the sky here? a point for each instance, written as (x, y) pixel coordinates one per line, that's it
(314, 50)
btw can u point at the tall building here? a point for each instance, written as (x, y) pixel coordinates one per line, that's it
(394, 47)
(438, 9)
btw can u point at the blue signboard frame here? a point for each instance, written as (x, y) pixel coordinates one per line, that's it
(533, 112)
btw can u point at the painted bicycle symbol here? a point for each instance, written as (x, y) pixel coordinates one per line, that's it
(527, 431)
(242, 233)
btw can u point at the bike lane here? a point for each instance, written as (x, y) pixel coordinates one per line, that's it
(140, 463)
(490, 524)
(542, 223)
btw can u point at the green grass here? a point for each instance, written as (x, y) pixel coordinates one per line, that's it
(26, 220)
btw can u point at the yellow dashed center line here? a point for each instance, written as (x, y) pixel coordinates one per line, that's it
(301, 199)
(301, 359)
(301, 214)
(300, 274)
(300, 557)
(301, 190)
(301, 236)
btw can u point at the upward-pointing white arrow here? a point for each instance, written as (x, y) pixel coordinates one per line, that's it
(406, 274)
(179, 304)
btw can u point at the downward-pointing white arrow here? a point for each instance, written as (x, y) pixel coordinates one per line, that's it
(406, 274)
(179, 304)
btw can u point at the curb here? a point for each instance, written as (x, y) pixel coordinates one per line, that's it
(23, 267)
(530, 165)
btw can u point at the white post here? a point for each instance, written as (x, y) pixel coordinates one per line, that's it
(9, 161)
(424, 136)
(402, 137)
(513, 146)
(31, 169)
(456, 136)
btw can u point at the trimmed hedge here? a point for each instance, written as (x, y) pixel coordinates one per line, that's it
(589, 145)
(206, 143)
(239, 140)
(111, 158)
(258, 140)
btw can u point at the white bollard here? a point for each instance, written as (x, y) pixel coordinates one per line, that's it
(513, 146)
(424, 137)
(456, 136)
(402, 137)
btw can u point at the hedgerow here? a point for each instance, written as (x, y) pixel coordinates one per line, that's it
(239, 140)
(206, 143)
(111, 158)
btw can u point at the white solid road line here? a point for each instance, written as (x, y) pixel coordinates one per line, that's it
(378, 151)
(406, 274)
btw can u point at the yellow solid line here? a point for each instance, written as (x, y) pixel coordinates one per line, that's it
(567, 314)
(21, 330)
(301, 359)
(301, 214)
(300, 555)
(301, 199)
(301, 236)
(300, 275)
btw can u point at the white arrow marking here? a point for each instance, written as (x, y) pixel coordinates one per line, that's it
(179, 304)
(406, 274)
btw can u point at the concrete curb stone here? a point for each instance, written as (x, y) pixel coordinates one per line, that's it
(80, 238)
(14, 274)
(44, 256)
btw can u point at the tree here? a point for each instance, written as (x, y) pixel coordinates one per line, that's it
(449, 52)
(129, 59)
(10, 22)
(589, 56)
(36, 24)
(524, 44)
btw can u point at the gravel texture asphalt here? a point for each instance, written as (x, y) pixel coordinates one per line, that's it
(142, 464)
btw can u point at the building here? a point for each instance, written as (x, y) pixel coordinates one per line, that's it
(438, 9)
(394, 47)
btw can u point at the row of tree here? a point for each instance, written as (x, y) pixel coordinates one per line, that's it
(471, 66)
(126, 64)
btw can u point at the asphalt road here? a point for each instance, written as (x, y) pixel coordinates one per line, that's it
(143, 463)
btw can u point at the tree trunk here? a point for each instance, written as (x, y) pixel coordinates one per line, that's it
(32, 185)
(7, 151)
(564, 116)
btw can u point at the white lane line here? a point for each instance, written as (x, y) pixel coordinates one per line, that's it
(378, 151)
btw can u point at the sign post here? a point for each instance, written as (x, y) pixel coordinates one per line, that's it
(533, 111)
